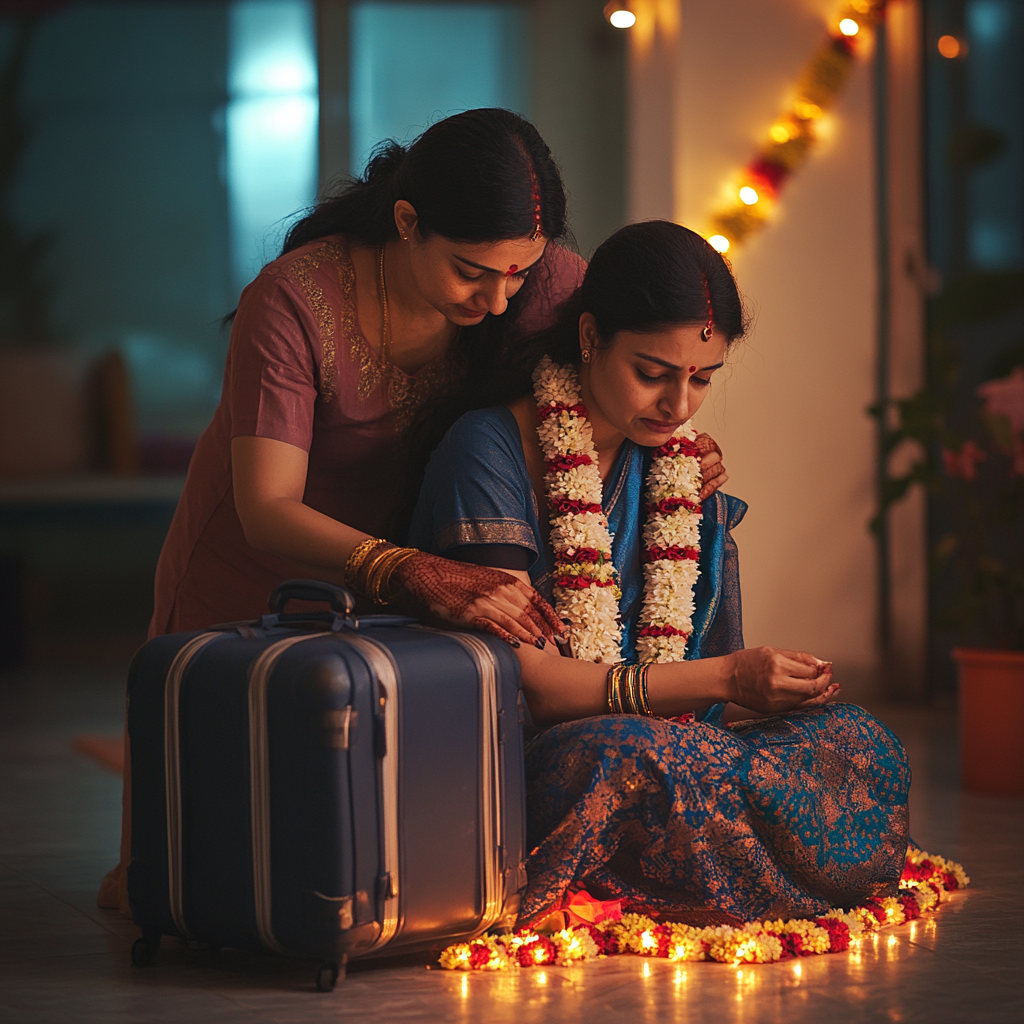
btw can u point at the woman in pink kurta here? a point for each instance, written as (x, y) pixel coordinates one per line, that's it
(301, 370)
(412, 283)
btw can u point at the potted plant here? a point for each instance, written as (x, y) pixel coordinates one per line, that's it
(970, 442)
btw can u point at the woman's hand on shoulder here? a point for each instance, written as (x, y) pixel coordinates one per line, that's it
(773, 681)
(712, 467)
(477, 596)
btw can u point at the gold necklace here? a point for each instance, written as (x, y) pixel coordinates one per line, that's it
(385, 320)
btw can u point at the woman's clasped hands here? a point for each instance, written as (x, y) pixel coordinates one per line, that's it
(773, 681)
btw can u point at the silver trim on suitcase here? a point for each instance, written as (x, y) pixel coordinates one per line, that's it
(492, 797)
(172, 773)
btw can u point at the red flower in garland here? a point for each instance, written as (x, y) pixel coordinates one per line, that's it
(838, 933)
(479, 955)
(560, 463)
(911, 908)
(540, 951)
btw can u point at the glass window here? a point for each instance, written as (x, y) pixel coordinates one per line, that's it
(414, 63)
(271, 126)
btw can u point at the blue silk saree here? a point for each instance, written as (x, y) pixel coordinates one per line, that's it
(696, 821)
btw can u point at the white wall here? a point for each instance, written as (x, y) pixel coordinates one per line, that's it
(790, 409)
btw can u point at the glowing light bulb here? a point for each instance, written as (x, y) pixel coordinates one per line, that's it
(779, 133)
(849, 27)
(621, 18)
(749, 195)
(719, 243)
(949, 47)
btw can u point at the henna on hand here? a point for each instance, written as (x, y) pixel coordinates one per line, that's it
(711, 465)
(477, 596)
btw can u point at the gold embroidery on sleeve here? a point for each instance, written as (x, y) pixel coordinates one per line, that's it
(301, 271)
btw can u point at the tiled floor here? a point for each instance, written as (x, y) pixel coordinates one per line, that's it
(61, 959)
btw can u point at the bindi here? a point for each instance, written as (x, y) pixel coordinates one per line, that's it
(693, 369)
(511, 270)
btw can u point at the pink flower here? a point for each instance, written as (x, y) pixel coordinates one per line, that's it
(962, 464)
(1005, 397)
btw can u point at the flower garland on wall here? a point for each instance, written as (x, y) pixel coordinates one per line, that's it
(795, 132)
(585, 580)
(600, 929)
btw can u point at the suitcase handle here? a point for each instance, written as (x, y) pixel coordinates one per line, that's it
(340, 599)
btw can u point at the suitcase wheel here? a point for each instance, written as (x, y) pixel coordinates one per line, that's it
(144, 950)
(328, 975)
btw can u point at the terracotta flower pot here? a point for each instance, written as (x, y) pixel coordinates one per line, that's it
(991, 720)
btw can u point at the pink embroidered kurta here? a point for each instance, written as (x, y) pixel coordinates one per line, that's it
(299, 370)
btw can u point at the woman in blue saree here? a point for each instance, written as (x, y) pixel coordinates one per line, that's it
(743, 791)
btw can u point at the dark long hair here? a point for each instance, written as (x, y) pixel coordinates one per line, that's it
(473, 177)
(645, 277)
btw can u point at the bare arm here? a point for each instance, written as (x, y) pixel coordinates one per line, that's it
(269, 480)
(763, 680)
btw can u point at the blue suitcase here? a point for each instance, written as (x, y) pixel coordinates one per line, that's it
(323, 785)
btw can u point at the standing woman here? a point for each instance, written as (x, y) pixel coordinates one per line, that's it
(422, 272)
(440, 250)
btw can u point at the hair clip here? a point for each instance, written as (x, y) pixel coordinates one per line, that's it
(710, 329)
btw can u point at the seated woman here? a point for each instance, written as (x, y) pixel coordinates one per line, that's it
(675, 770)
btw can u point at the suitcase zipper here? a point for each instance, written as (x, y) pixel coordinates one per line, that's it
(259, 775)
(383, 666)
(172, 774)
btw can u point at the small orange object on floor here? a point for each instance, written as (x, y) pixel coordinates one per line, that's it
(108, 750)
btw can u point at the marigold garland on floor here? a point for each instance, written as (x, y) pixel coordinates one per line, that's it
(927, 882)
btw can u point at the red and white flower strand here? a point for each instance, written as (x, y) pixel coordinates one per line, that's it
(586, 583)
(927, 882)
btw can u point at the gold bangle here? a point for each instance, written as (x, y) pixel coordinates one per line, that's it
(615, 689)
(369, 573)
(386, 585)
(356, 560)
(645, 705)
(380, 572)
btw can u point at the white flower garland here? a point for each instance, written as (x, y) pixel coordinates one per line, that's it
(586, 582)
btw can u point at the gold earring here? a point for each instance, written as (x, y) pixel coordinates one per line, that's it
(585, 355)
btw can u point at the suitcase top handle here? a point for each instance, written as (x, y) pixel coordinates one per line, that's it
(340, 599)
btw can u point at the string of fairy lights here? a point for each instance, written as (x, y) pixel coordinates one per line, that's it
(754, 189)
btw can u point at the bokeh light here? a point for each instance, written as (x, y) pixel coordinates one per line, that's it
(949, 47)
(719, 243)
(621, 18)
(849, 27)
(749, 195)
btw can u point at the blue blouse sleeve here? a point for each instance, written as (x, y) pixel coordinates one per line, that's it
(476, 489)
